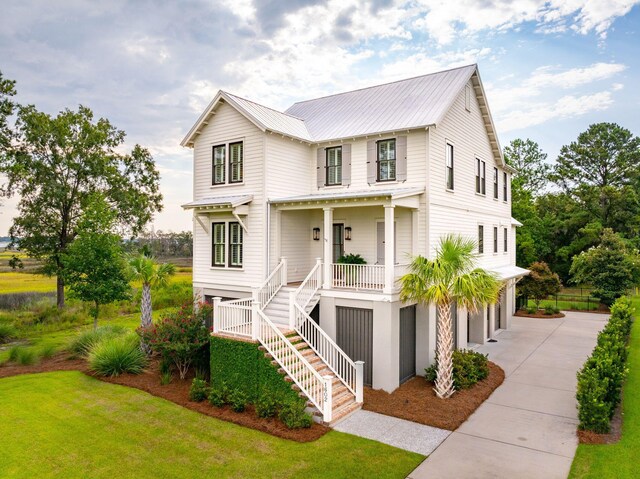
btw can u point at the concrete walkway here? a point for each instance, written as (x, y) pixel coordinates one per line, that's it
(396, 432)
(526, 429)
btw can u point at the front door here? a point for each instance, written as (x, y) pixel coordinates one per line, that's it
(338, 241)
(380, 242)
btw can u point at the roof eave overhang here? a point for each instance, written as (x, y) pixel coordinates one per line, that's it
(377, 134)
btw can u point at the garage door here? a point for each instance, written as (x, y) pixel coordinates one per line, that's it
(354, 334)
(407, 343)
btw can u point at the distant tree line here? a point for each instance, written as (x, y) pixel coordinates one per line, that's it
(582, 211)
(162, 245)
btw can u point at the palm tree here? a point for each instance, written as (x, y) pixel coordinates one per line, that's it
(145, 269)
(452, 276)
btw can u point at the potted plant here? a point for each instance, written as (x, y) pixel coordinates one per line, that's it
(351, 274)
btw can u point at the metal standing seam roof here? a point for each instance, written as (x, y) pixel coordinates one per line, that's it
(229, 200)
(416, 102)
(510, 271)
(339, 195)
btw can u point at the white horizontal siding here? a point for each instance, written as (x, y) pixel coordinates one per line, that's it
(462, 210)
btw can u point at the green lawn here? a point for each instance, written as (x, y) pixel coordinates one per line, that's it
(65, 424)
(618, 461)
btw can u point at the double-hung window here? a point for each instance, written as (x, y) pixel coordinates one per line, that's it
(227, 244)
(235, 245)
(334, 166)
(495, 183)
(227, 164)
(505, 186)
(495, 239)
(219, 244)
(236, 164)
(449, 154)
(219, 162)
(504, 230)
(480, 239)
(481, 184)
(387, 160)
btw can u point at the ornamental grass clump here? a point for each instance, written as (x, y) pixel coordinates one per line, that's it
(118, 355)
(81, 345)
(179, 337)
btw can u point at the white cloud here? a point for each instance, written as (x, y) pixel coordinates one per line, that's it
(550, 76)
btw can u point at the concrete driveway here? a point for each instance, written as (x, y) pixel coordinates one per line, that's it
(526, 429)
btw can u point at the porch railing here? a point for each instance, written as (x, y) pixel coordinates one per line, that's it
(233, 317)
(401, 270)
(309, 287)
(358, 276)
(272, 284)
(350, 373)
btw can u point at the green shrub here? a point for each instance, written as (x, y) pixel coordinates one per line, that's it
(179, 337)
(199, 390)
(266, 406)
(218, 396)
(166, 378)
(81, 345)
(23, 356)
(549, 310)
(556, 310)
(469, 367)
(532, 310)
(601, 378)
(48, 350)
(117, 355)
(294, 416)
(238, 400)
(7, 332)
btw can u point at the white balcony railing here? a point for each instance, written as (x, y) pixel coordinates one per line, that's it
(358, 276)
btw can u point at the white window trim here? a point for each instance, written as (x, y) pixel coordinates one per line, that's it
(227, 246)
(227, 170)
(448, 142)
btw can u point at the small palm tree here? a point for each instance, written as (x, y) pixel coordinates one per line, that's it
(452, 276)
(145, 269)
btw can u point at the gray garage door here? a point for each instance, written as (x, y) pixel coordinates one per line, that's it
(354, 334)
(407, 343)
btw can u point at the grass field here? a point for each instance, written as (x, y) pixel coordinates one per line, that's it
(73, 426)
(618, 461)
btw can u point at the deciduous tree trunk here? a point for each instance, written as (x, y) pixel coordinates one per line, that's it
(444, 348)
(59, 291)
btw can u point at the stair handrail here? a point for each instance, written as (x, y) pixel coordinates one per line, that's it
(350, 373)
(310, 286)
(270, 287)
(316, 387)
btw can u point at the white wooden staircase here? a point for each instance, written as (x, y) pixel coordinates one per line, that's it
(278, 317)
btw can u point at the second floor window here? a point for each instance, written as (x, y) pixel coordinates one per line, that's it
(236, 166)
(480, 239)
(481, 181)
(495, 183)
(495, 239)
(219, 161)
(449, 166)
(505, 239)
(387, 160)
(334, 166)
(505, 187)
(231, 154)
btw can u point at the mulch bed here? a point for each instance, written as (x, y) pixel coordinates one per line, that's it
(612, 437)
(177, 392)
(416, 401)
(540, 314)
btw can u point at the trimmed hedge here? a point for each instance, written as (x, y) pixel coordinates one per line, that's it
(242, 365)
(601, 378)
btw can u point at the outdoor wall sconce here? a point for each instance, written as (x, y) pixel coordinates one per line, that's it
(316, 234)
(347, 233)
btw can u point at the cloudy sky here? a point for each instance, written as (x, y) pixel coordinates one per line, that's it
(550, 68)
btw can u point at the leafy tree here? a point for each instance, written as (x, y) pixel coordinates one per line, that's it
(56, 165)
(151, 274)
(530, 162)
(7, 106)
(612, 267)
(94, 266)
(450, 277)
(604, 155)
(540, 283)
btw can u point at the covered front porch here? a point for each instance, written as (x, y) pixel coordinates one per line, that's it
(380, 226)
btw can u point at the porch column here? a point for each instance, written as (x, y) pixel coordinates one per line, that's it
(389, 248)
(327, 247)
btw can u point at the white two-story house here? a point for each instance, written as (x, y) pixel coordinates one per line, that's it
(382, 172)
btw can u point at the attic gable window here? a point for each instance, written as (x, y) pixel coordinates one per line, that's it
(481, 180)
(449, 154)
(334, 166)
(387, 160)
(219, 160)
